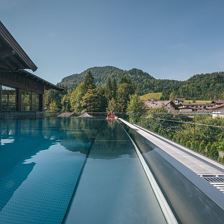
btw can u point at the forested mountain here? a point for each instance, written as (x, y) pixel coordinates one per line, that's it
(204, 86)
(143, 80)
(100, 74)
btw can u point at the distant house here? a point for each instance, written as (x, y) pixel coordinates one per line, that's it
(179, 101)
(169, 105)
(154, 104)
(185, 110)
(193, 107)
(218, 102)
(217, 115)
(218, 111)
(216, 108)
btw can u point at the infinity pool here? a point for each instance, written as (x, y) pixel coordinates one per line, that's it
(72, 171)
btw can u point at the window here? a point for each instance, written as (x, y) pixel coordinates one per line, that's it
(7, 98)
(25, 101)
(35, 102)
(29, 101)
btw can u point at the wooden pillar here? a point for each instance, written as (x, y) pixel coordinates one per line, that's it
(18, 100)
(0, 97)
(31, 101)
(41, 99)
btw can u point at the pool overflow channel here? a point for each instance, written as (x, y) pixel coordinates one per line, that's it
(168, 214)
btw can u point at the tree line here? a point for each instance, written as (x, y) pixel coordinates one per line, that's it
(88, 97)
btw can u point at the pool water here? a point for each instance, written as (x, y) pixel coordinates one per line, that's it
(77, 170)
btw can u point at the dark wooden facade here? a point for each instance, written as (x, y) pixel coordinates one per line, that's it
(20, 81)
(13, 61)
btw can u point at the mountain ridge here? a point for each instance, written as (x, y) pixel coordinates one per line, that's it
(199, 86)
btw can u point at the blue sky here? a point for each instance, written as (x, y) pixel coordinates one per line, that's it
(166, 38)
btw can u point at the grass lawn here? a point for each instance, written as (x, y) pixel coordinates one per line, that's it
(155, 96)
(197, 101)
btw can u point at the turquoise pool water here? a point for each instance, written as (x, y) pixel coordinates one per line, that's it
(72, 171)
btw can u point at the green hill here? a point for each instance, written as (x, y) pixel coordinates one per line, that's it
(207, 86)
(100, 74)
(203, 86)
(151, 96)
(143, 81)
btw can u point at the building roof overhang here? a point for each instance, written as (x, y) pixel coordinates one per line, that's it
(12, 56)
(13, 59)
(47, 85)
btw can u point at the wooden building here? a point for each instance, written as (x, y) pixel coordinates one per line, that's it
(20, 90)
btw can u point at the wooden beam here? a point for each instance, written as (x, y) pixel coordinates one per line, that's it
(0, 97)
(18, 100)
(41, 102)
(20, 81)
